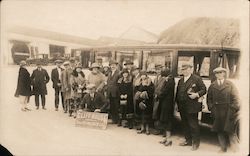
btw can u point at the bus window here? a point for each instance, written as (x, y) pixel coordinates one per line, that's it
(199, 60)
(105, 56)
(155, 58)
(232, 64)
(204, 70)
(123, 56)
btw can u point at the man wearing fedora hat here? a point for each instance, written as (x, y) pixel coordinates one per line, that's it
(56, 74)
(96, 77)
(113, 90)
(190, 89)
(39, 79)
(223, 102)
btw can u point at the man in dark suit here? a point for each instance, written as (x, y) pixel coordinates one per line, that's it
(189, 95)
(113, 90)
(39, 79)
(94, 101)
(56, 79)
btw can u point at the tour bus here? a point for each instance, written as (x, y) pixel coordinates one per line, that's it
(204, 58)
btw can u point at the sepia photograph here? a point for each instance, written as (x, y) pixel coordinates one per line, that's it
(124, 77)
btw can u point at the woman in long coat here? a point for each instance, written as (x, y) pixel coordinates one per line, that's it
(165, 94)
(223, 102)
(78, 83)
(144, 94)
(23, 90)
(126, 108)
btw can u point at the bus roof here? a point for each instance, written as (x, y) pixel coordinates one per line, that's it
(161, 47)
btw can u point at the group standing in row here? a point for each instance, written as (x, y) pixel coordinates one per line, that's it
(130, 95)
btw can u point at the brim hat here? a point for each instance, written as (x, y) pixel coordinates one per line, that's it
(124, 71)
(94, 65)
(186, 65)
(113, 62)
(219, 69)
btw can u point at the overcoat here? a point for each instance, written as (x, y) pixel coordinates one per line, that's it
(184, 102)
(66, 83)
(126, 88)
(165, 94)
(223, 102)
(146, 114)
(39, 80)
(23, 83)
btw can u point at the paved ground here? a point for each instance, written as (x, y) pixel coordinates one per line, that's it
(46, 132)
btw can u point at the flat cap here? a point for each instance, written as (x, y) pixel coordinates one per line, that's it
(219, 69)
(66, 63)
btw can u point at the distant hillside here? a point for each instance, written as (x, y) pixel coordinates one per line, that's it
(207, 31)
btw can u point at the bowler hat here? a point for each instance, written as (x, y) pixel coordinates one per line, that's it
(219, 69)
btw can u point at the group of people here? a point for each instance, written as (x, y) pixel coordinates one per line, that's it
(133, 99)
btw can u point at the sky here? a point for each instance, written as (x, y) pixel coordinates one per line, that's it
(92, 19)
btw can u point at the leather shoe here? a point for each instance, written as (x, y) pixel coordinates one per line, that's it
(185, 143)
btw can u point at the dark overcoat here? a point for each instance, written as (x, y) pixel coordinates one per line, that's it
(126, 88)
(39, 80)
(184, 102)
(146, 114)
(23, 83)
(165, 95)
(112, 84)
(223, 102)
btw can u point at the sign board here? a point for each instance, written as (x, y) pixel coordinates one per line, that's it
(91, 119)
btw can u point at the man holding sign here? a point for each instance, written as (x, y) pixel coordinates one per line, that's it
(94, 101)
